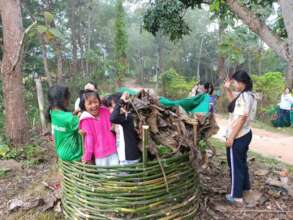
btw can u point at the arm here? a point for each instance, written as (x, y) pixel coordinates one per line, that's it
(116, 117)
(88, 141)
(229, 93)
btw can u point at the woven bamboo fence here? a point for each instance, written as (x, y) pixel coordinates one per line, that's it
(159, 189)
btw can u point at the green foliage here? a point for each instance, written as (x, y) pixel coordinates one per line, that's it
(202, 145)
(49, 17)
(163, 150)
(271, 85)
(174, 85)
(3, 172)
(238, 45)
(120, 42)
(167, 16)
(4, 149)
(31, 154)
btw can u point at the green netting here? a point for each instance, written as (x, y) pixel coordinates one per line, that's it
(195, 104)
(164, 189)
(128, 90)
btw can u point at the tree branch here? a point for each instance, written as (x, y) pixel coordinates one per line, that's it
(260, 28)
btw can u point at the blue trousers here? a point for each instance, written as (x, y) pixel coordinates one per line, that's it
(284, 117)
(237, 161)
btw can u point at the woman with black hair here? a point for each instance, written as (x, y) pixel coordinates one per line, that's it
(127, 137)
(242, 110)
(285, 108)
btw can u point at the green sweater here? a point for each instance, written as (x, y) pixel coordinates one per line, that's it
(68, 142)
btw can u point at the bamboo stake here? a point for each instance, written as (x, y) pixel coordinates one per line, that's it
(145, 142)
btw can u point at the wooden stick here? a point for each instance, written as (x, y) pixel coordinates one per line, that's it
(163, 171)
(145, 142)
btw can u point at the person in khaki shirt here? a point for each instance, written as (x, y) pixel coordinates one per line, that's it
(242, 110)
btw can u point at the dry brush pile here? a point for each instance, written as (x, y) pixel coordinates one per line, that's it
(173, 128)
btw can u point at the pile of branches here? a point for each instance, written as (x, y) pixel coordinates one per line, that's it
(172, 127)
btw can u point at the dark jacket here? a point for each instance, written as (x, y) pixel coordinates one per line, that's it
(130, 135)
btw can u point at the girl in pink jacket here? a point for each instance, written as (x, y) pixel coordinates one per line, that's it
(99, 140)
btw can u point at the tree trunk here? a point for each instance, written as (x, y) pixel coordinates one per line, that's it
(45, 60)
(198, 62)
(159, 66)
(40, 95)
(221, 71)
(89, 37)
(16, 127)
(58, 54)
(221, 59)
(287, 9)
(73, 27)
(81, 48)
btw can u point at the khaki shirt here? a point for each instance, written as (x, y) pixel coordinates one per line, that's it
(246, 105)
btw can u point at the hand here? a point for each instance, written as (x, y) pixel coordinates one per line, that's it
(229, 141)
(87, 162)
(82, 132)
(227, 83)
(125, 97)
(76, 112)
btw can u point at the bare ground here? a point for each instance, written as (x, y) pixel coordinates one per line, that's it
(266, 143)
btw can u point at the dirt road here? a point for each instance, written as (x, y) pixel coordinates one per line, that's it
(266, 143)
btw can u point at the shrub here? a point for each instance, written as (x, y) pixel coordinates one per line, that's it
(271, 86)
(174, 85)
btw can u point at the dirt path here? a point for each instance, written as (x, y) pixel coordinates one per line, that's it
(266, 143)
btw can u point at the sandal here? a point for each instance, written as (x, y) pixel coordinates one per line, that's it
(231, 200)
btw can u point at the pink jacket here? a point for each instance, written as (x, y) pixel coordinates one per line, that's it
(99, 140)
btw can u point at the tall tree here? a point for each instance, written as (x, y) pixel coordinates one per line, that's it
(120, 43)
(72, 20)
(16, 126)
(169, 16)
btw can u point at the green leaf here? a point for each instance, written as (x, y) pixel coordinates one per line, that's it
(4, 149)
(48, 17)
(42, 29)
(56, 33)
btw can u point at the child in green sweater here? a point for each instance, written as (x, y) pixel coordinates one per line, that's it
(68, 141)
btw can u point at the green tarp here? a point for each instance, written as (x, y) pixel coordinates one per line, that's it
(129, 91)
(195, 104)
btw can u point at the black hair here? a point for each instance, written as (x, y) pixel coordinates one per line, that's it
(57, 96)
(94, 84)
(243, 77)
(209, 87)
(114, 97)
(290, 90)
(84, 94)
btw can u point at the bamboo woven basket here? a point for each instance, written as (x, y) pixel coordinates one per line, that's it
(159, 189)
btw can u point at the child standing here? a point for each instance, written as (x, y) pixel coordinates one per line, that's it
(68, 142)
(99, 141)
(127, 136)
